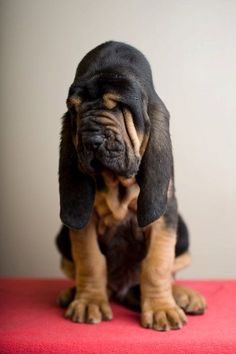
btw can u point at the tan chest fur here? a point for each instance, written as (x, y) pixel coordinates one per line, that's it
(112, 208)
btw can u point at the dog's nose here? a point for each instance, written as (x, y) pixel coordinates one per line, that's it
(93, 143)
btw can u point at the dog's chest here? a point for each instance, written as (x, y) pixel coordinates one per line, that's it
(114, 204)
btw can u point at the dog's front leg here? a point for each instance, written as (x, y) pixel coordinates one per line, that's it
(91, 301)
(159, 309)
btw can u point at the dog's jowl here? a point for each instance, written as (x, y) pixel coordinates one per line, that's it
(122, 236)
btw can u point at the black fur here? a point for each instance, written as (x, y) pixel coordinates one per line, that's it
(182, 244)
(120, 68)
(76, 189)
(156, 167)
(124, 250)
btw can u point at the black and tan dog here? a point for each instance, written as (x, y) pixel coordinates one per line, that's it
(118, 205)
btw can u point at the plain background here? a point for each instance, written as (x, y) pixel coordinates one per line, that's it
(192, 50)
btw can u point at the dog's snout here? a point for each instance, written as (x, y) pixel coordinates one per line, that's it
(93, 143)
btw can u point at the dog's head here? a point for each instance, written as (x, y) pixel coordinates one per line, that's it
(115, 122)
(108, 129)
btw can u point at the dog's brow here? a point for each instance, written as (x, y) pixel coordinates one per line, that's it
(110, 100)
(73, 101)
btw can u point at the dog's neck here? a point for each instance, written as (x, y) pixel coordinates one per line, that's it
(112, 180)
(114, 202)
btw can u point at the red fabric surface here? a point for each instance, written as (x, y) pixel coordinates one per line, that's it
(31, 322)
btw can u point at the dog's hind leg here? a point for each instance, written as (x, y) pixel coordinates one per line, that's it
(189, 300)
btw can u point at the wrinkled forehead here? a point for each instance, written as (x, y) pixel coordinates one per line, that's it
(107, 91)
(95, 86)
(109, 100)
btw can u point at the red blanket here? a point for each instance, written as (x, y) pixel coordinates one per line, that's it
(31, 322)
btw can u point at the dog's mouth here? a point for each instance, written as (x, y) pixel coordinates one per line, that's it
(109, 169)
(97, 154)
(97, 166)
(111, 178)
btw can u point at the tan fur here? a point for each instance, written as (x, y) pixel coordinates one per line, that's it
(68, 267)
(181, 262)
(116, 204)
(75, 102)
(144, 144)
(189, 300)
(161, 301)
(108, 119)
(109, 208)
(91, 299)
(159, 310)
(129, 123)
(110, 100)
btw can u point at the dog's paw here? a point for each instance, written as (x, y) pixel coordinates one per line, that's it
(162, 317)
(85, 310)
(189, 300)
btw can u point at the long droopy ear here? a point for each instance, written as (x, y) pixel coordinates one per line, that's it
(156, 166)
(77, 190)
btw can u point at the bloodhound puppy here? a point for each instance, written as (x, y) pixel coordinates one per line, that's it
(122, 235)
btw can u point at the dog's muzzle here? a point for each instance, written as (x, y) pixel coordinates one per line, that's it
(92, 143)
(101, 150)
(101, 146)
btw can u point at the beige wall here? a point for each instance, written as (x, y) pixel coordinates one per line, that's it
(191, 47)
